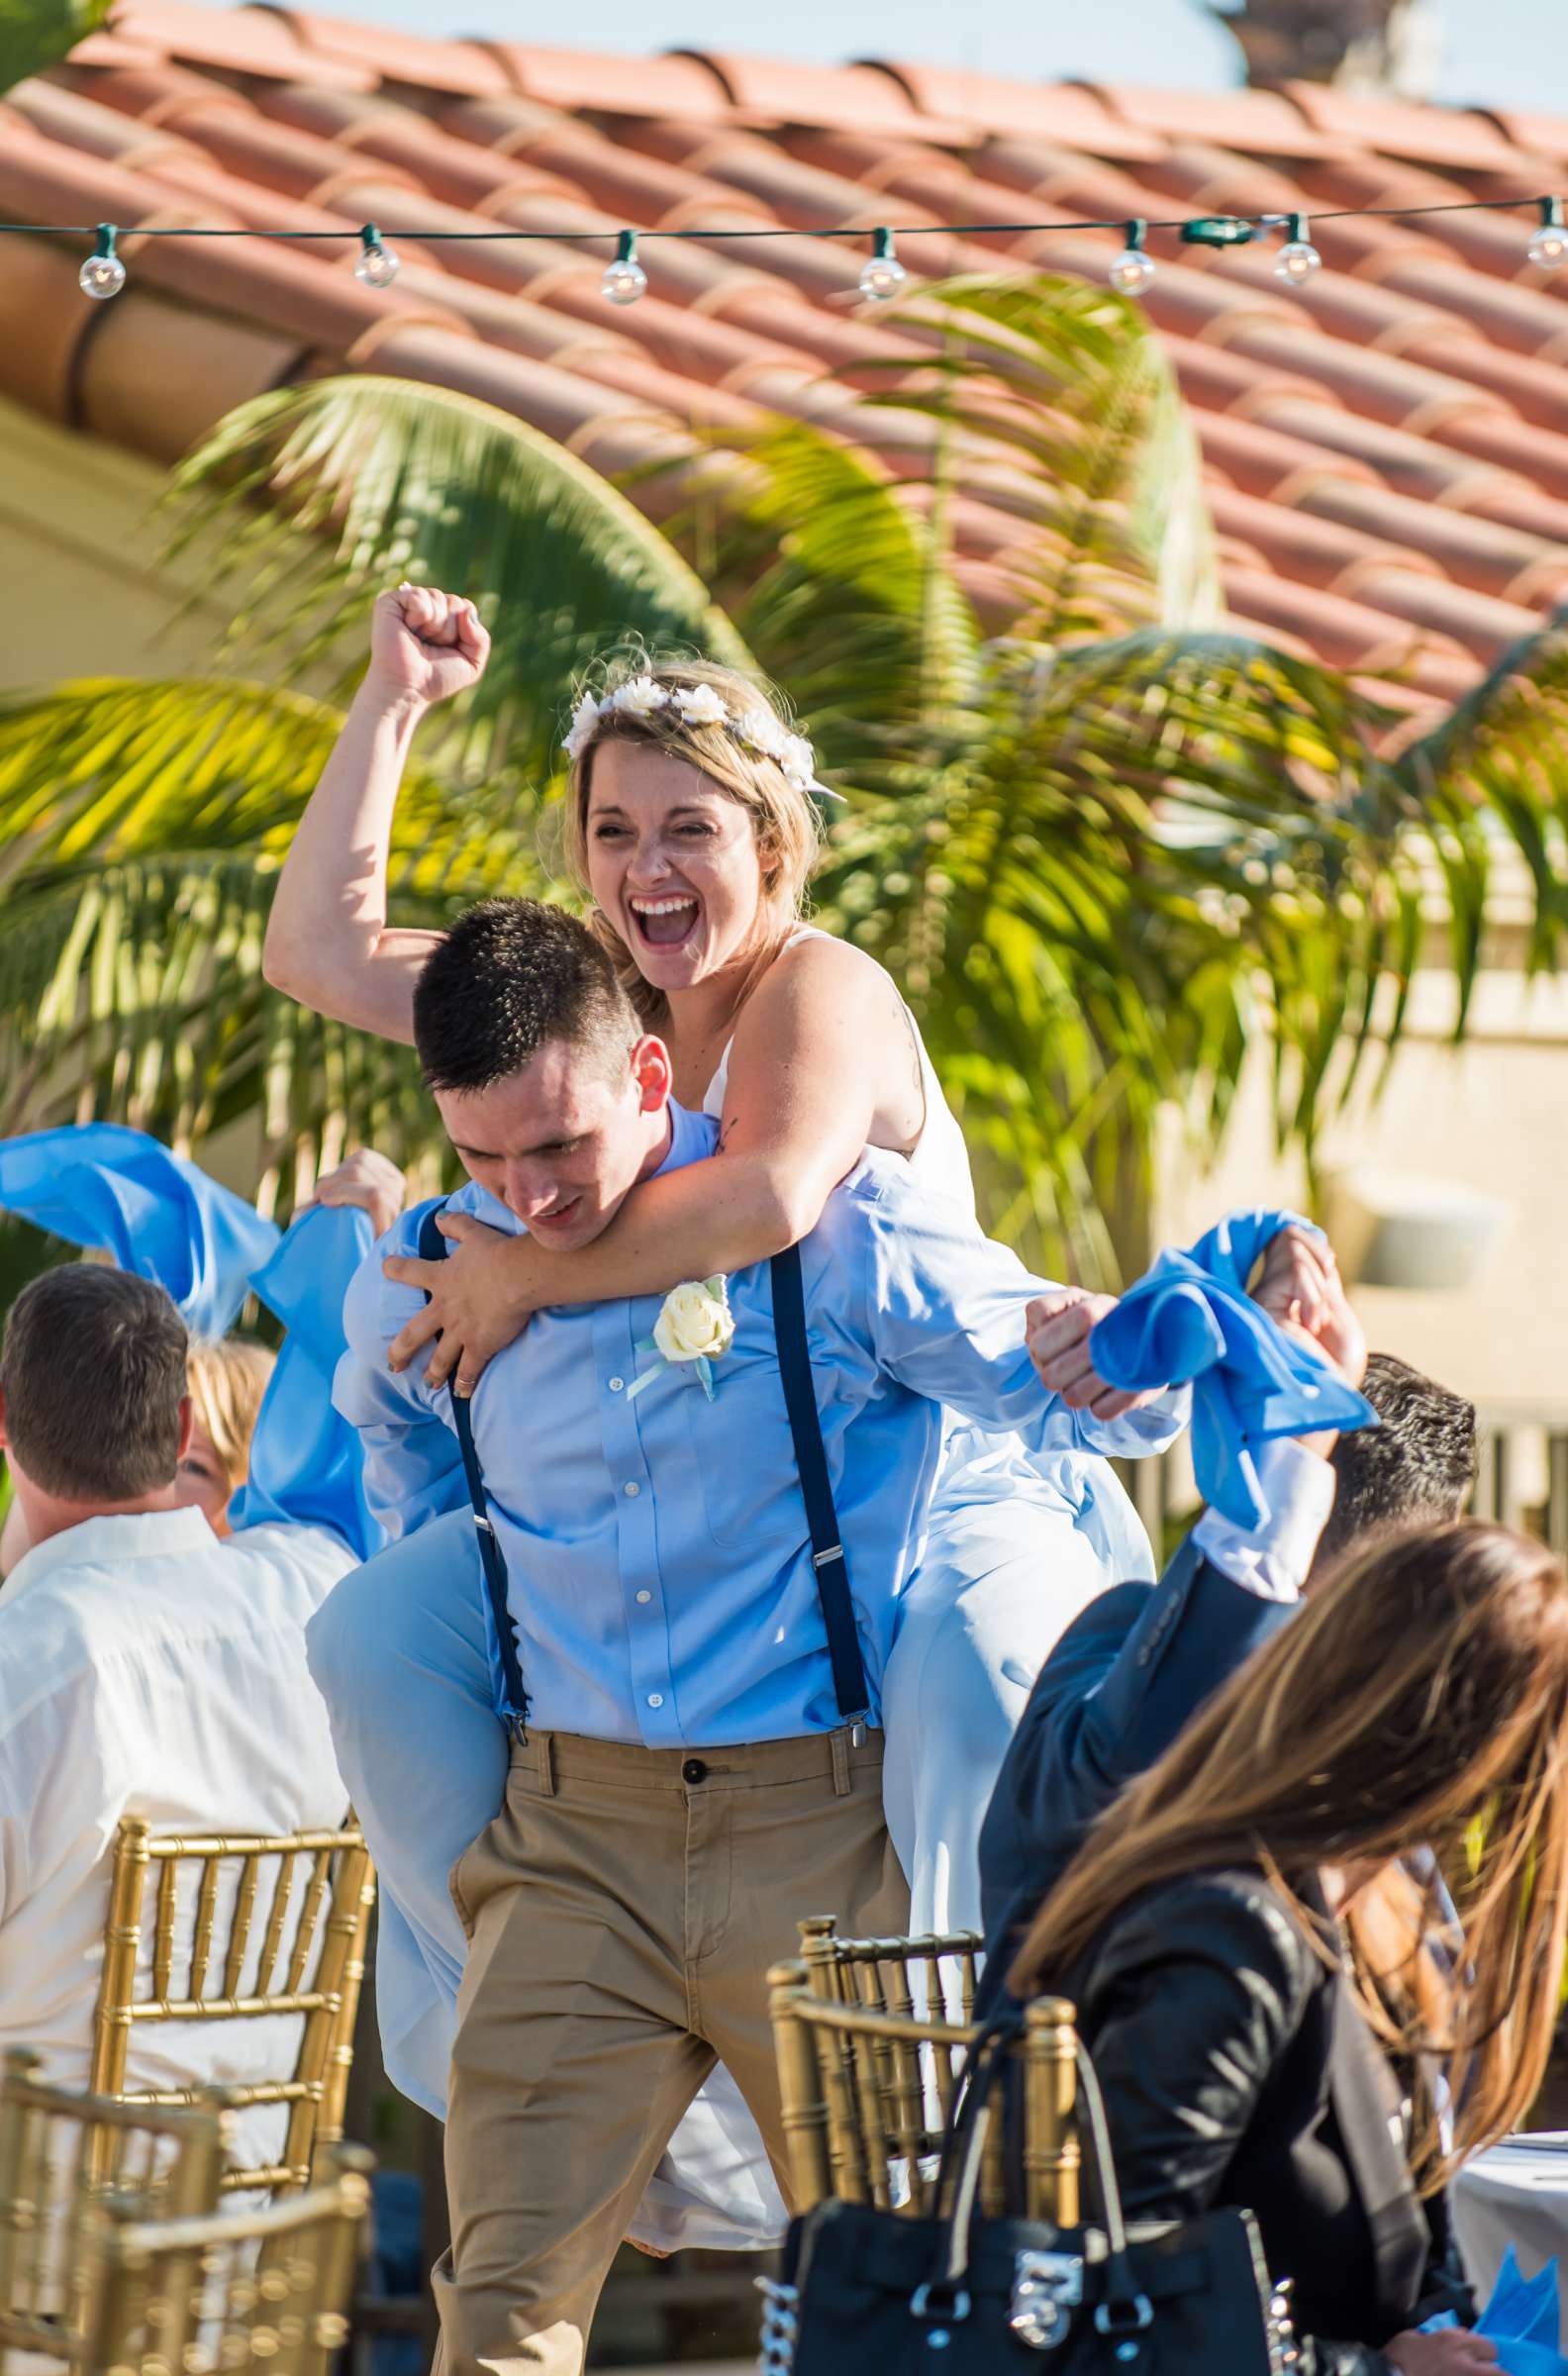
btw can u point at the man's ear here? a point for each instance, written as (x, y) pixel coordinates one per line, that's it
(5, 1440)
(653, 1074)
(187, 1426)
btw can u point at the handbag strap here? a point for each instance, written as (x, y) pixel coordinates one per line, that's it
(1124, 2309)
(434, 1247)
(811, 1462)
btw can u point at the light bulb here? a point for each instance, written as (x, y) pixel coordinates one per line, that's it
(1549, 247)
(883, 276)
(1298, 260)
(625, 280)
(376, 263)
(1133, 271)
(103, 274)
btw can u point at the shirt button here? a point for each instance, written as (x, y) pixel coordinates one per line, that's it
(632, 1489)
(655, 1699)
(643, 1599)
(615, 1385)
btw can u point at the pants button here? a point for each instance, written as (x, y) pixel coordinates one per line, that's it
(694, 1770)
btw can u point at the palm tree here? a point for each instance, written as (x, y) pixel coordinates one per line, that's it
(1107, 846)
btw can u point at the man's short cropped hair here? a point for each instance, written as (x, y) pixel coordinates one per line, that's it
(511, 977)
(1416, 1469)
(93, 1372)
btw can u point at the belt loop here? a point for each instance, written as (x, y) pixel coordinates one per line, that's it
(543, 1760)
(841, 1762)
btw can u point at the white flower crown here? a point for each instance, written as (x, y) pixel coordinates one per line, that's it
(701, 705)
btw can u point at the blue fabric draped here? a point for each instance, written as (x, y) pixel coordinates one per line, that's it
(1521, 2319)
(1189, 1319)
(305, 1464)
(100, 1184)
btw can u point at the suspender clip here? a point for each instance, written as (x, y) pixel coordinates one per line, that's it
(822, 1559)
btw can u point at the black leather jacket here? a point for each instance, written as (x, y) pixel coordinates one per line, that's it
(1237, 2072)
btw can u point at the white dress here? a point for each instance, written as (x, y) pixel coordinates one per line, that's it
(1015, 1549)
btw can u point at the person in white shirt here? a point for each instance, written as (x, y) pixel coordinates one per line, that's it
(146, 1668)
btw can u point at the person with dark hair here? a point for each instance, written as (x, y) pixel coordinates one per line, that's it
(707, 1512)
(146, 1668)
(1415, 1467)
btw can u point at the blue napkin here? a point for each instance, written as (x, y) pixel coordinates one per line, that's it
(305, 1463)
(1520, 2318)
(99, 1185)
(1190, 1317)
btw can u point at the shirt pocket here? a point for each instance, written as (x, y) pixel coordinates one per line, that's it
(745, 1456)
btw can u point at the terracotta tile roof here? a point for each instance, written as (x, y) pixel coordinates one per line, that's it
(1387, 454)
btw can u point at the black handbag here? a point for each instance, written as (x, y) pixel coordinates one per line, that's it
(879, 2293)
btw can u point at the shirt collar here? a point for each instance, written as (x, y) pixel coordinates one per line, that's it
(692, 1137)
(108, 1542)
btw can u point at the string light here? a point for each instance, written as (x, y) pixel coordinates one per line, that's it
(377, 262)
(1133, 269)
(103, 274)
(884, 275)
(625, 280)
(1299, 259)
(1549, 247)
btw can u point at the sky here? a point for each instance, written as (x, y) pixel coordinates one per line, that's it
(1502, 52)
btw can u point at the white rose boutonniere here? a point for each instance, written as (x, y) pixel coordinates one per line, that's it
(694, 1324)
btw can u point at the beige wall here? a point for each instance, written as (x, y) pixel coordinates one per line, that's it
(76, 546)
(1491, 1116)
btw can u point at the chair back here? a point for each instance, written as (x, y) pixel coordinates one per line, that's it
(61, 2155)
(268, 2290)
(930, 1975)
(242, 1929)
(867, 2077)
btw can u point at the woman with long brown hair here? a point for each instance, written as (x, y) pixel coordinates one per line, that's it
(1205, 1931)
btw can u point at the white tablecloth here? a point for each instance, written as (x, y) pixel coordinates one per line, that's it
(1517, 2194)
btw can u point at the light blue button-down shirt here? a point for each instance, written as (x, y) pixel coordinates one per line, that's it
(656, 1548)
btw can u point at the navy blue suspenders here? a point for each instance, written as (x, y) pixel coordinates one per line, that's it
(435, 1248)
(811, 1461)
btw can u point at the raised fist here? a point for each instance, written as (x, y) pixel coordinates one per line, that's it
(426, 646)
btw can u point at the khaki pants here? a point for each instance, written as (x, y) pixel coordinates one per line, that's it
(621, 1910)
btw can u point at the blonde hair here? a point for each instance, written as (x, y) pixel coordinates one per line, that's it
(227, 1378)
(784, 818)
(1420, 1700)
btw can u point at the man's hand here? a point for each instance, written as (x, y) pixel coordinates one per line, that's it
(1451, 2351)
(1299, 1288)
(1058, 1329)
(373, 1182)
(478, 1302)
(425, 646)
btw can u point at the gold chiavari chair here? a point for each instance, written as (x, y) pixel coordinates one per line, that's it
(268, 2290)
(867, 2089)
(893, 1975)
(216, 1956)
(61, 2155)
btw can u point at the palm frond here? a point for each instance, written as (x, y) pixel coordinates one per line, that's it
(35, 34)
(1498, 765)
(1069, 385)
(324, 495)
(145, 828)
